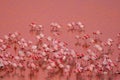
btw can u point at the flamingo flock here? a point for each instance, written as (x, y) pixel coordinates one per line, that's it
(19, 56)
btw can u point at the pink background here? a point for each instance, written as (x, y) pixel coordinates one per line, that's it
(103, 15)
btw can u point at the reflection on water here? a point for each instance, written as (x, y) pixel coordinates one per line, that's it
(82, 76)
